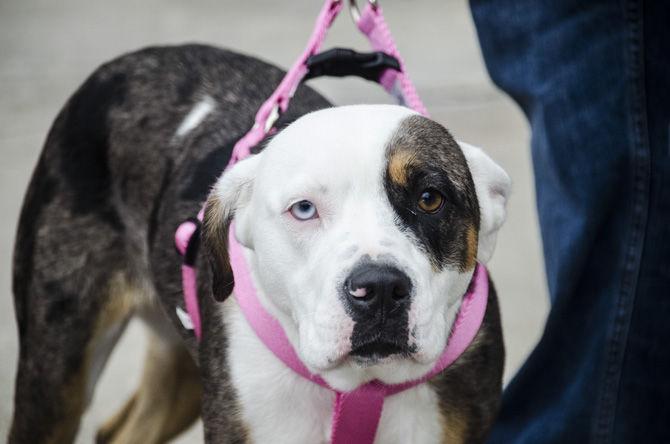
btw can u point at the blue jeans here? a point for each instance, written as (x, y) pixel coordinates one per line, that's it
(593, 78)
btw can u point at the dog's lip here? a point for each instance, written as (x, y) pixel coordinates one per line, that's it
(378, 349)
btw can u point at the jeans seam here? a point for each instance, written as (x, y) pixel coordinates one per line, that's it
(605, 409)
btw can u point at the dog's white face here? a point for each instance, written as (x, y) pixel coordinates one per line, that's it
(362, 227)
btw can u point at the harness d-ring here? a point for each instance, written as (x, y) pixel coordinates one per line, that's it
(355, 12)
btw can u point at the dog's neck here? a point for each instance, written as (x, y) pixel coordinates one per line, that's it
(278, 405)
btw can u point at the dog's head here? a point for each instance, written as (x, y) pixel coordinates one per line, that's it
(362, 226)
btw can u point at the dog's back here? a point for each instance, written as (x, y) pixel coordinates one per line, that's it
(133, 153)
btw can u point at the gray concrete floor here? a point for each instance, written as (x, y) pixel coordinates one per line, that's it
(47, 48)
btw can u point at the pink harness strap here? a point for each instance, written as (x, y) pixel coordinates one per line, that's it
(182, 239)
(356, 414)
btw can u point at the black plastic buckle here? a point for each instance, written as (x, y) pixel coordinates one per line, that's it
(342, 62)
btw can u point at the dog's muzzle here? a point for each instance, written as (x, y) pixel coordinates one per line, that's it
(377, 297)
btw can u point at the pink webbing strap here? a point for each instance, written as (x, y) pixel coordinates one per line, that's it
(356, 414)
(373, 25)
(266, 326)
(182, 239)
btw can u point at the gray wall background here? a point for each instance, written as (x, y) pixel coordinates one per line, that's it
(48, 47)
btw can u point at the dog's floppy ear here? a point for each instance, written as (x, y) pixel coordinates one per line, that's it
(493, 187)
(231, 193)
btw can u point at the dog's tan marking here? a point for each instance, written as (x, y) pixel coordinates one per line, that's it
(471, 252)
(215, 237)
(73, 397)
(216, 229)
(454, 427)
(166, 403)
(111, 427)
(399, 163)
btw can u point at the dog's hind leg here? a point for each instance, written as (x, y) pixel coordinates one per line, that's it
(70, 330)
(167, 401)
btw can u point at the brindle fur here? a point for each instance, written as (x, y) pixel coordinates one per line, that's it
(95, 246)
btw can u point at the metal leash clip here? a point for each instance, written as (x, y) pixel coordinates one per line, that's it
(355, 12)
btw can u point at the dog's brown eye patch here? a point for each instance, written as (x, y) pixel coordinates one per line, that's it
(430, 201)
(425, 166)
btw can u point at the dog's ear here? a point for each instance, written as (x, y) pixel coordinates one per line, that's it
(493, 187)
(229, 195)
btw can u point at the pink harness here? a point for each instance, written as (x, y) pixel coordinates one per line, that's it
(356, 414)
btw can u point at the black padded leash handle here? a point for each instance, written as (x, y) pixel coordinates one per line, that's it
(342, 62)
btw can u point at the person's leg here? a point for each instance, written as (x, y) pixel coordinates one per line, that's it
(594, 81)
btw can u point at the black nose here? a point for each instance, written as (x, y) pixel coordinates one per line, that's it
(377, 287)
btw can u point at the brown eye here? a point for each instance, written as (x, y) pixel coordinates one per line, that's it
(431, 201)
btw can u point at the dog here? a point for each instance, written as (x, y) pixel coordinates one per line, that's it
(370, 193)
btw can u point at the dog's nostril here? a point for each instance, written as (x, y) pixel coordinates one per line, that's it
(361, 292)
(370, 284)
(400, 291)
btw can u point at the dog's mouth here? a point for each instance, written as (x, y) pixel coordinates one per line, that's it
(378, 349)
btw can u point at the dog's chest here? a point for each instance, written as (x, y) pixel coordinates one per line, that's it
(279, 406)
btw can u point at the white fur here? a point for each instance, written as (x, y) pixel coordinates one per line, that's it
(493, 187)
(335, 158)
(195, 117)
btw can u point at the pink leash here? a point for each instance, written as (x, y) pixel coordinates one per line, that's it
(356, 414)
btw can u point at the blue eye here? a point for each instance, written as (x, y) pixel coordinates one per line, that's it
(304, 210)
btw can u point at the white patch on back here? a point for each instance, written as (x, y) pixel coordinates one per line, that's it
(195, 117)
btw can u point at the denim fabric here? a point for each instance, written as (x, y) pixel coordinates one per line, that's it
(593, 78)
